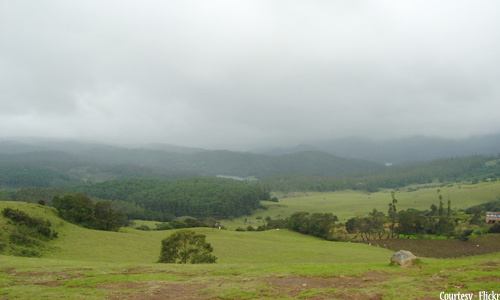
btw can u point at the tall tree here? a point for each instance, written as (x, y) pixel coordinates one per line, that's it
(106, 218)
(392, 213)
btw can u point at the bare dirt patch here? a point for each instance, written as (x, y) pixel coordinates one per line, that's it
(344, 288)
(355, 295)
(293, 286)
(58, 275)
(487, 279)
(445, 248)
(8, 270)
(490, 264)
(124, 286)
(155, 291)
(341, 282)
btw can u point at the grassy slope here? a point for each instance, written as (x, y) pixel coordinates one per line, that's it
(135, 246)
(347, 204)
(121, 266)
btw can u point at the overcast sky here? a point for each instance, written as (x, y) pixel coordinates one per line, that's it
(238, 74)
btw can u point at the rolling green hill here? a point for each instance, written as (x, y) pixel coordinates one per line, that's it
(231, 247)
(90, 264)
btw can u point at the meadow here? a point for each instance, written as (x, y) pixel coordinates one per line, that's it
(348, 204)
(274, 264)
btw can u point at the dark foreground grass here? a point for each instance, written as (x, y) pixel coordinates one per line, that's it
(29, 278)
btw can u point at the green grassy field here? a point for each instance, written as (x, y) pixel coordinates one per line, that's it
(347, 204)
(90, 264)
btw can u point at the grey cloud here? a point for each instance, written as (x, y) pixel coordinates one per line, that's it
(233, 74)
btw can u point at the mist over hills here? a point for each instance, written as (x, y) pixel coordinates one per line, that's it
(396, 151)
(62, 164)
(50, 163)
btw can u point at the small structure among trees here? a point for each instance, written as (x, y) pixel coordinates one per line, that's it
(492, 217)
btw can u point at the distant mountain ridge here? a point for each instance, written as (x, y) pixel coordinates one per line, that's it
(49, 162)
(397, 151)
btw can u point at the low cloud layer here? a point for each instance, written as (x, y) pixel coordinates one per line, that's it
(237, 74)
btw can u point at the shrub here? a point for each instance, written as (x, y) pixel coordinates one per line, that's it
(495, 228)
(22, 219)
(143, 227)
(164, 226)
(177, 224)
(464, 235)
(481, 231)
(262, 228)
(239, 229)
(190, 223)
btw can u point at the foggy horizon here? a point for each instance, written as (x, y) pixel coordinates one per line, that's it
(248, 74)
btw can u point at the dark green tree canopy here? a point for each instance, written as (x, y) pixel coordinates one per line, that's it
(186, 246)
(80, 209)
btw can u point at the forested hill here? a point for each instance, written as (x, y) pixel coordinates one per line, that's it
(161, 200)
(25, 165)
(198, 197)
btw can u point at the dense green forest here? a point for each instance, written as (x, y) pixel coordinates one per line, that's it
(162, 200)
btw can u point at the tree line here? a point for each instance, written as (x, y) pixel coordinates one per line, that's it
(80, 209)
(161, 200)
(438, 221)
(472, 168)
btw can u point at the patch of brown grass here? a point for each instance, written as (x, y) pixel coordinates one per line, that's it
(155, 291)
(444, 248)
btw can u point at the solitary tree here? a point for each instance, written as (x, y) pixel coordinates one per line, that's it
(186, 246)
(392, 214)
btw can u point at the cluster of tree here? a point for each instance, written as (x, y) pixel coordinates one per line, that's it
(436, 221)
(369, 227)
(161, 200)
(197, 197)
(186, 246)
(316, 224)
(80, 209)
(472, 168)
(28, 234)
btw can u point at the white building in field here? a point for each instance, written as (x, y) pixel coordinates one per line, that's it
(492, 217)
